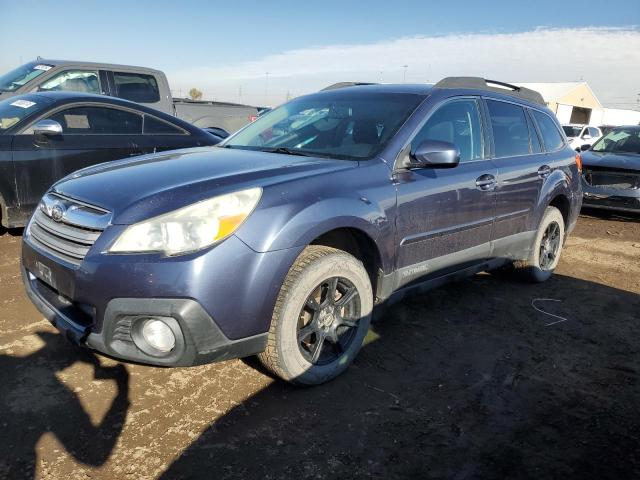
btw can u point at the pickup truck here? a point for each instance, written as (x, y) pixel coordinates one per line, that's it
(142, 85)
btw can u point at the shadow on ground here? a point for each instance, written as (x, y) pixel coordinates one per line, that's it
(33, 402)
(620, 216)
(466, 381)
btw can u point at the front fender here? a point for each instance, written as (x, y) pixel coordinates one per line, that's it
(291, 225)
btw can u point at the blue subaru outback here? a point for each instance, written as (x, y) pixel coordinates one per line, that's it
(280, 241)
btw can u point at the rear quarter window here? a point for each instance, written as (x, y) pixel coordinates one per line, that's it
(137, 87)
(551, 136)
(155, 126)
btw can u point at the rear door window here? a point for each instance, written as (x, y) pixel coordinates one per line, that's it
(536, 146)
(551, 136)
(84, 81)
(510, 129)
(98, 121)
(136, 87)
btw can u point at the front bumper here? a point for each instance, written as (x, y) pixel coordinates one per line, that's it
(220, 301)
(198, 338)
(626, 200)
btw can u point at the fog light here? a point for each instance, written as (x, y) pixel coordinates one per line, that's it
(158, 335)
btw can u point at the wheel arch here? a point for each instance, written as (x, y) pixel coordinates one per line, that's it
(358, 243)
(556, 192)
(562, 203)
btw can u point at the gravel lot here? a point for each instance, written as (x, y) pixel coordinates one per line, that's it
(466, 381)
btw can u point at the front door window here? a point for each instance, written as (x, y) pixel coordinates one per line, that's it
(85, 81)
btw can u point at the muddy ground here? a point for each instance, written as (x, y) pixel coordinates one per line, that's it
(466, 381)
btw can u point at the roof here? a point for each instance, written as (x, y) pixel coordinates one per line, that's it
(63, 97)
(59, 96)
(414, 88)
(109, 66)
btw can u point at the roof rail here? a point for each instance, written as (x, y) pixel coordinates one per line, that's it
(478, 83)
(346, 84)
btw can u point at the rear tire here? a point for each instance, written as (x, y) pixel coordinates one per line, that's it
(546, 249)
(321, 317)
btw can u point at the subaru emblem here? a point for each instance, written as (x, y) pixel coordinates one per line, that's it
(57, 212)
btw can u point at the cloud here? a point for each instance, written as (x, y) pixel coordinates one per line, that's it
(607, 58)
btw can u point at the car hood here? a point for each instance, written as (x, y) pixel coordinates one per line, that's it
(611, 160)
(146, 186)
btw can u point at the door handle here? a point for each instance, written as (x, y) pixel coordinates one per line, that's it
(544, 171)
(486, 182)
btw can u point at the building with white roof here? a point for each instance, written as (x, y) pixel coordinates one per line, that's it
(575, 102)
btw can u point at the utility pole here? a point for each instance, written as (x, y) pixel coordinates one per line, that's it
(266, 86)
(404, 78)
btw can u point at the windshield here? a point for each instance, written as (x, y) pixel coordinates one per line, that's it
(570, 131)
(342, 124)
(620, 140)
(13, 110)
(12, 81)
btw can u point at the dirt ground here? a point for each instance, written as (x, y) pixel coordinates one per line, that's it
(463, 382)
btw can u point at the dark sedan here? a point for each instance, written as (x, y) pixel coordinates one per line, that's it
(46, 136)
(611, 171)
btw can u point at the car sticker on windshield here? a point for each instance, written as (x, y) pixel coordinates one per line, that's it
(23, 103)
(44, 68)
(5, 123)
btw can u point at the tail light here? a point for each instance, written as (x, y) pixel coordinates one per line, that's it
(579, 162)
(253, 118)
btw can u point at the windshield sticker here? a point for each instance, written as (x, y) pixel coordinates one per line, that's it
(44, 68)
(23, 103)
(5, 123)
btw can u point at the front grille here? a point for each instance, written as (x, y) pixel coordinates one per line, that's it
(67, 228)
(612, 178)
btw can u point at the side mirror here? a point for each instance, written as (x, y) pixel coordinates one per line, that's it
(47, 128)
(586, 136)
(434, 153)
(585, 147)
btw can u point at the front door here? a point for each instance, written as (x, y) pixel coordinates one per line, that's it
(90, 135)
(445, 215)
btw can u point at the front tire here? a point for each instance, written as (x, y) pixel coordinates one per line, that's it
(321, 317)
(546, 249)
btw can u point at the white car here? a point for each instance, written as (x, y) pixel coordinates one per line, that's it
(580, 135)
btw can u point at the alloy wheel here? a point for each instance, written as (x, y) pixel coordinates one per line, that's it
(328, 321)
(549, 246)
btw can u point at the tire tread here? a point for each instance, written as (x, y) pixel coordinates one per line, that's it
(269, 357)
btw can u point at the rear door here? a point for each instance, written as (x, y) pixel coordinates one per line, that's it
(445, 215)
(91, 134)
(517, 154)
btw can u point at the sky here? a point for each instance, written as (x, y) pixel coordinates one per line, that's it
(262, 53)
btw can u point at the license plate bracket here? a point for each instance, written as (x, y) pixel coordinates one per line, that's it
(44, 273)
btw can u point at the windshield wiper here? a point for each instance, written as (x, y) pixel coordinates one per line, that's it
(286, 151)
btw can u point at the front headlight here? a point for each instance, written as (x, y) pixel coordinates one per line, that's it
(190, 228)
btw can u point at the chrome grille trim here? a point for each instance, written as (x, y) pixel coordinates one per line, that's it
(67, 228)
